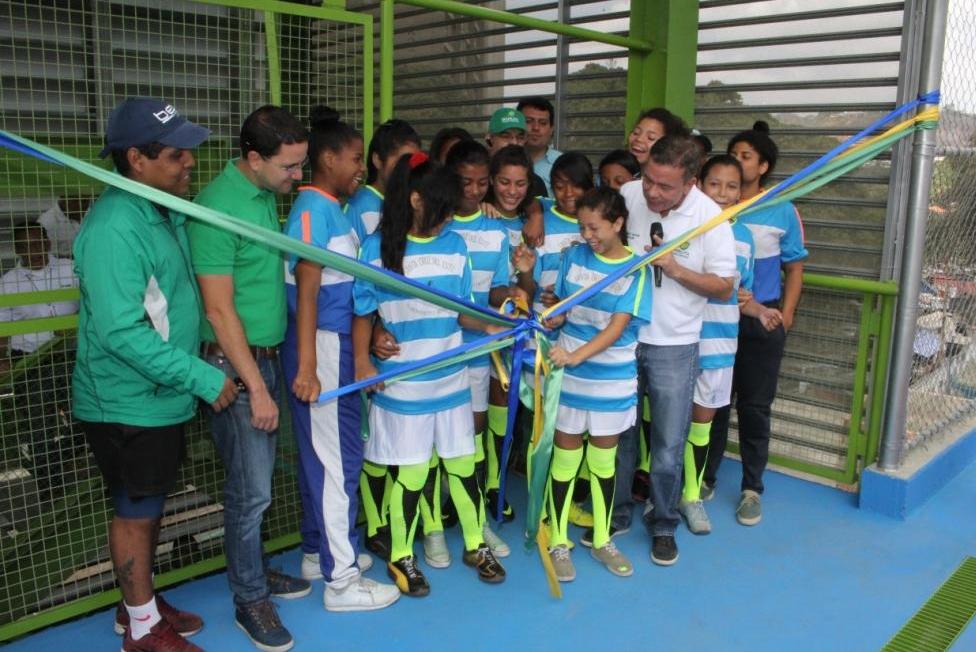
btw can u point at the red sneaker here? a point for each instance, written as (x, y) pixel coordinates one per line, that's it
(184, 622)
(161, 638)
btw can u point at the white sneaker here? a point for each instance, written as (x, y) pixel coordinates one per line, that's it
(311, 570)
(498, 546)
(363, 594)
(436, 552)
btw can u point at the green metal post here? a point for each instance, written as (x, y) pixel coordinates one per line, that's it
(856, 440)
(637, 61)
(368, 80)
(879, 375)
(274, 56)
(386, 59)
(666, 76)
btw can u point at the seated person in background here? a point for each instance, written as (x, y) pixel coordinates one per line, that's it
(36, 270)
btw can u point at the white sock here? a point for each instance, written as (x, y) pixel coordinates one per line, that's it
(142, 618)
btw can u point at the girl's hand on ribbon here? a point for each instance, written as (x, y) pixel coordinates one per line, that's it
(365, 369)
(524, 259)
(554, 322)
(306, 386)
(560, 357)
(519, 296)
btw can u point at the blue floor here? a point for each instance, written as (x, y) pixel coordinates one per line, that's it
(816, 574)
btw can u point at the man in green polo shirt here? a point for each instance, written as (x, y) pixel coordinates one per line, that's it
(243, 288)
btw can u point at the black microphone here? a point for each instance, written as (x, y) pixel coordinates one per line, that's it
(657, 230)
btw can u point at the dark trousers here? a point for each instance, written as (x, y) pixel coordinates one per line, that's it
(754, 380)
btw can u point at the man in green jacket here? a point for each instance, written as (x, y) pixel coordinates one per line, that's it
(137, 377)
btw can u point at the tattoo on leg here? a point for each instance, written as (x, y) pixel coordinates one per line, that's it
(124, 575)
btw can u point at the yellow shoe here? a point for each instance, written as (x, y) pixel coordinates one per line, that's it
(579, 516)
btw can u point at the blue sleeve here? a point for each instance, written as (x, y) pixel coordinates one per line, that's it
(746, 264)
(636, 301)
(364, 292)
(791, 244)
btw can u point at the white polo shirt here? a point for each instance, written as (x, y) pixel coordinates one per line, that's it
(57, 274)
(676, 317)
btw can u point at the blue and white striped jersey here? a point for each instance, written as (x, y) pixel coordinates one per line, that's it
(421, 328)
(316, 218)
(364, 210)
(487, 242)
(778, 234)
(607, 382)
(561, 231)
(720, 321)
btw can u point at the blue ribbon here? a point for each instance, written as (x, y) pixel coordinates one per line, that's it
(518, 353)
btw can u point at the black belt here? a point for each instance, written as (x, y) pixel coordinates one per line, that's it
(266, 352)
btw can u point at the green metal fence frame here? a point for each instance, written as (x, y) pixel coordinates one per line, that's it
(870, 373)
(271, 9)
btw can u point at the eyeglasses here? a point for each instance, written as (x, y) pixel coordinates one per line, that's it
(294, 167)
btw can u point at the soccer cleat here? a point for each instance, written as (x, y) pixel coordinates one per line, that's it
(483, 560)
(184, 622)
(408, 577)
(379, 543)
(491, 504)
(495, 542)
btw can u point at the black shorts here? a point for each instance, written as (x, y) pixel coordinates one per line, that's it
(143, 461)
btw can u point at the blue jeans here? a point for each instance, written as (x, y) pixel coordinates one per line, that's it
(249, 456)
(667, 375)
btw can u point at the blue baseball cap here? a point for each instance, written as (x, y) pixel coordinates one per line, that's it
(143, 120)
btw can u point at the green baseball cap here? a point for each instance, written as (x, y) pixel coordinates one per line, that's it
(505, 119)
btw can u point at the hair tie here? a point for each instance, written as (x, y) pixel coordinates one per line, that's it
(418, 158)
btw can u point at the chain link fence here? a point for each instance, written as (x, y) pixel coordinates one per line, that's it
(943, 385)
(65, 64)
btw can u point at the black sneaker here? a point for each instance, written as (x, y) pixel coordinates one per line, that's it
(483, 560)
(491, 504)
(587, 537)
(286, 586)
(408, 577)
(259, 620)
(664, 550)
(640, 490)
(379, 543)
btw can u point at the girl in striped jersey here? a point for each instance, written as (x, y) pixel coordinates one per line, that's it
(317, 356)
(390, 141)
(411, 418)
(571, 178)
(597, 347)
(720, 179)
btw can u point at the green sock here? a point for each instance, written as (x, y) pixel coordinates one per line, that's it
(467, 498)
(408, 483)
(644, 434)
(696, 456)
(372, 486)
(430, 498)
(581, 491)
(480, 471)
(602, 466)
(497, 423)
(562, 477)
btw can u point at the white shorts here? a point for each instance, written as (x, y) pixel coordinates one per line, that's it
(479, 388)
(574, 421)
(713, 388)
(396, 438)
